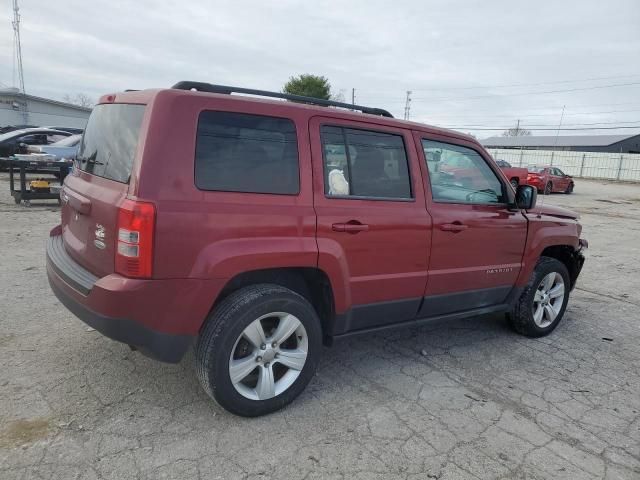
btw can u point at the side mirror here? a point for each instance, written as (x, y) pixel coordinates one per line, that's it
(526, 197)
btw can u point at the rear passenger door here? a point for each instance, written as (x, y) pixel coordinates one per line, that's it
(372, 228)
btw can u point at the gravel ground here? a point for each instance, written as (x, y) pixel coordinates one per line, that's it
(464, 399)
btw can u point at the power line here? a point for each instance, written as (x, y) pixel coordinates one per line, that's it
(549, 125)
(540, 129)
(465, 115)
(524, 84)
(495, 96)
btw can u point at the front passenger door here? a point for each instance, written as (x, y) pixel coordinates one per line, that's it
(477, 240)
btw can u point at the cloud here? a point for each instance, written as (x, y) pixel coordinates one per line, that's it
(380, 48)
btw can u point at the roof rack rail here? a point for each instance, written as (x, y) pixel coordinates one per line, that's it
(223, 89)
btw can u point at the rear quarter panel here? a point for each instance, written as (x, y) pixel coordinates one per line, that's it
(210, 234)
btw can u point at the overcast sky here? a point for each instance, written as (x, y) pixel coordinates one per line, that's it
(461, 59)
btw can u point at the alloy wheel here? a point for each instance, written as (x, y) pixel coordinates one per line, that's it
(548, 299)
(268, 356)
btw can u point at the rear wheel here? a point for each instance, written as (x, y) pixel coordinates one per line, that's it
(542, 303)
(514, 182)
(569, 189)
(259, 349)
(547, 188)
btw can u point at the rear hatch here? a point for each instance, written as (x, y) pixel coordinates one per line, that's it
(92, 195)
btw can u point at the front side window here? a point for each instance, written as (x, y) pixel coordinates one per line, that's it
(460, 175)
(364, 163)
(237, 152)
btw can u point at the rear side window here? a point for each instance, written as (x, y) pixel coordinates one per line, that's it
(237, 152)
(109, 142)
(364, 163)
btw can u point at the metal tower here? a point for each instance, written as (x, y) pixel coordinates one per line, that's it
(17, 47)
(16, 43)
(407, 105)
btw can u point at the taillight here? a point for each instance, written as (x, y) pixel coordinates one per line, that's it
(134, 247)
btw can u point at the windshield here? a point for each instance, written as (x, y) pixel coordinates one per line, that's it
(109, 143)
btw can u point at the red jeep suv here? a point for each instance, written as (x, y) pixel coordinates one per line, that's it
(258, 229)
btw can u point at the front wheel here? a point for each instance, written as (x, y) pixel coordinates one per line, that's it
(542, 303)
(259, 349)
(569, 189)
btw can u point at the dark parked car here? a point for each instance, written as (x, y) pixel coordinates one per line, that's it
(17, 141)
(259, 229)
(65, 148)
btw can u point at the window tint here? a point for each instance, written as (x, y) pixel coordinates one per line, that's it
(473, 183)
(39, 139)
(364, 163)
(236, 152)
(109, 142)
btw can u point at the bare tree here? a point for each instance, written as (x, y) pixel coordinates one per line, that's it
(79, 99)
(516, 132)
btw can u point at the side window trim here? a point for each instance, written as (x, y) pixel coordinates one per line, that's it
(450, 141)
(349, 126)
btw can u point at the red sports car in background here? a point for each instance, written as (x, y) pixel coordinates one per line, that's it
(549, 180)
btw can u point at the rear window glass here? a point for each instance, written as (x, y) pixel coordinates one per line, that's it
(237, 152)
(109, 143)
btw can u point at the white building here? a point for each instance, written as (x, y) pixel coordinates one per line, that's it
(19, 109)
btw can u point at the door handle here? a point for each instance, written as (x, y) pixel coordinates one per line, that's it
(454, 227)
(350, 227)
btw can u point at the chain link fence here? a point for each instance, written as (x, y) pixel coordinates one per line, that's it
(611, 166)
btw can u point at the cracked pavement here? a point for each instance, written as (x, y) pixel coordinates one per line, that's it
(456, 400)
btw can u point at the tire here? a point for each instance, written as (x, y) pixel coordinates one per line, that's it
(548, 188)
(569, 189)
(224, 339)
(17, 199)
(514, 182)
(523, 318)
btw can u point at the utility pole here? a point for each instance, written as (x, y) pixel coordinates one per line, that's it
(18, 53)
(555, 143)
(353, 96)
(407, 105)
(518, 128)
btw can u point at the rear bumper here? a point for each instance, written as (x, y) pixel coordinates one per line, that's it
(160, 346)
(161, 318)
